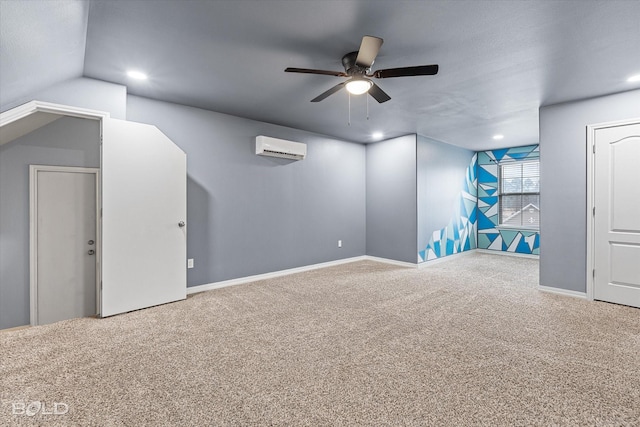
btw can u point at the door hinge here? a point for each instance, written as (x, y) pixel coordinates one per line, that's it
(593, 273)
(594, 211)
(594, 148)
(101, 285)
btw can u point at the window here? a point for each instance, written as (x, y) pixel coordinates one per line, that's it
(520, 194)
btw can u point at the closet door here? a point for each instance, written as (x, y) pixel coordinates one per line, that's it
(144, 182)
(617, 215)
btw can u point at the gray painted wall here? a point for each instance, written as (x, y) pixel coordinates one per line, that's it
(563, 183)
(441, 171)
(250, 214)
(65, 142)
(81, 92)
(391, 199)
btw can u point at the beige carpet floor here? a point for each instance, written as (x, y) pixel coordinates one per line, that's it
(467, 342)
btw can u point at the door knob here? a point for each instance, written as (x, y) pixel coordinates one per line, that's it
(181, 224)
(91, 252)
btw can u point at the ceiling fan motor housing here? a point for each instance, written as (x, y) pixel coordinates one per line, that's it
(350, 67)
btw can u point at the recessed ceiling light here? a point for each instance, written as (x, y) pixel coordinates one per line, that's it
(136, 75)
(377, 135)
(634, 79)
(498, 137)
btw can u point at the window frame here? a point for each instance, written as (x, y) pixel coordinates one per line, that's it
(521, 193)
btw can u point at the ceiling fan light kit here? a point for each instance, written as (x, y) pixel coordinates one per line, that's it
(357, 65)
(358, 86)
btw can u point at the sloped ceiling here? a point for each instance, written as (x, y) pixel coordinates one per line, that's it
(499, 60)
(41, 43)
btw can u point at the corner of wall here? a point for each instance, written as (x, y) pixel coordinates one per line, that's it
(459, 234)
(391, 224)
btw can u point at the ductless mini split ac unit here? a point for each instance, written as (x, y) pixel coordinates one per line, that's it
(274, 147)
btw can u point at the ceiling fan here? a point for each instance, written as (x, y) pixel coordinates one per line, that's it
(357, 66)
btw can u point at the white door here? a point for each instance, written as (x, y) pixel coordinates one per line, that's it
(64, 243)
(144, 193)
(617, 214)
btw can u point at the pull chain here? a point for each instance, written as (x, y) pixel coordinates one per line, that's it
(367, 105)
(349, 93)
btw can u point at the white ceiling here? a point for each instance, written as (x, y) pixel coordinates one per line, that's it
(499, 60)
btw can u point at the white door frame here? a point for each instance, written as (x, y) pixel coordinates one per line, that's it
(33, 107)
(591, 243)
(33, 232)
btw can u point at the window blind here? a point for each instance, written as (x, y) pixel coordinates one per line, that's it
(520, 194)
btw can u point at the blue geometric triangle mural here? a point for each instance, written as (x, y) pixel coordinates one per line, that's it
(485, 175)
(499, 154)
(477, 224)
(489, 236)
(460, 234)
(484, 222)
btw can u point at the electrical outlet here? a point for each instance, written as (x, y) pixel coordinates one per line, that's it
(339, 243)
(190, 263)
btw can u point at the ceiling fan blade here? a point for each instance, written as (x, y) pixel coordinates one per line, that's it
(311, 71)
(368, 51)
(331, 91)
(378, 94)
(420, 70)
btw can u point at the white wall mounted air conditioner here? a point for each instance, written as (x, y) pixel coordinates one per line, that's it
(274, 147)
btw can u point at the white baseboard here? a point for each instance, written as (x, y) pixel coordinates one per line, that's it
(255, 278)
(273, 274)
(280, 273)
(566, 292)
(390, 261)
(15, 328)
(451, 257)
(515, 254)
